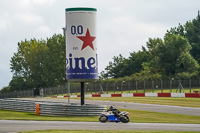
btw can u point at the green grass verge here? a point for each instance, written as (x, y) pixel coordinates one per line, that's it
(186, 102)
(13, 115)
(136, 116)
(102, 131)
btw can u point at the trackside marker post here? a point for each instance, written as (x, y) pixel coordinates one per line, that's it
(37, 108)
(81, 46)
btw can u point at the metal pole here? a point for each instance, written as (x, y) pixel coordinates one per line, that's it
(136, 86)
(68, 92)
(170, 85)
(199, 82)
(179, 85)
(114, 88)
(107, 87)
(152, 83)
(76, 89)
(161, 85)
(190, 85)
(144, 86)
(95, 88)
(121, 86)
(82, 94)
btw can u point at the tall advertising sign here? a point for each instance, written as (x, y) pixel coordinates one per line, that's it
(81, 44)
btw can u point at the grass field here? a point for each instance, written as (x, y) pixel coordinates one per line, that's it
(103, 131)
(135, 116)
(13, 115)
(186, 102)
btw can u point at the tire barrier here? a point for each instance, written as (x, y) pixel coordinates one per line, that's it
(51, 108)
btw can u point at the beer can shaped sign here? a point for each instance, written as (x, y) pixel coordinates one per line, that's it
(81, 44)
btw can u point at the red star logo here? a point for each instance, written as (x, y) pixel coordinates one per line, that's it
(87, 40)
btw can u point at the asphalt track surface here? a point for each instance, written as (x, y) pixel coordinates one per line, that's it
(11, 126)
(137, 106)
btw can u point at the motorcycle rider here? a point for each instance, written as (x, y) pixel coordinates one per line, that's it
(114, 111)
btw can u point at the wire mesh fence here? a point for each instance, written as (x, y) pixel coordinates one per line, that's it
(99, 87)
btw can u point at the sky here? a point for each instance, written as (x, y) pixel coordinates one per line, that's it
(123, 26)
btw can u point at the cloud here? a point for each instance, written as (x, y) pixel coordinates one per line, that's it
(5, 71)
(2, 25)
(43, 2)
(4, 22)
(44, 30)
(29, 18)
(33, 3)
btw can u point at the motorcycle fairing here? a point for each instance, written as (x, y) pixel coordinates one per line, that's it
(113, 118)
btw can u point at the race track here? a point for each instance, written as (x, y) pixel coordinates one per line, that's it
(137, 106)
(18, 125)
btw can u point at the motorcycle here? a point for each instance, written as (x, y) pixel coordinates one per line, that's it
(114, 115)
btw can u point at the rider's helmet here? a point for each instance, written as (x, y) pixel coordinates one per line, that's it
(112, 108)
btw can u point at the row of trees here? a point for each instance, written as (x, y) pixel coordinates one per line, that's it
(41, 63)
(177, 55)
(38, 63)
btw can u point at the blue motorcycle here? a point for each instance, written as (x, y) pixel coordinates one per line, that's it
(114, 115)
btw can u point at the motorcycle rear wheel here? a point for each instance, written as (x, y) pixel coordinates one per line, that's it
(124, 119)
(103, 119)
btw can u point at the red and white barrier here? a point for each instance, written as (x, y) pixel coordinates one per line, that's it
(194, 95)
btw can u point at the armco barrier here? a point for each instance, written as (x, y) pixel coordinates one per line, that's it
(51, 108)
(74, 110)
(17, 105)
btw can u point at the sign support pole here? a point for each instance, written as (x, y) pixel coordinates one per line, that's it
(68, 92)
(82, 94)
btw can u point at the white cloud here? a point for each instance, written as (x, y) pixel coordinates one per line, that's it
(24, 3)
(2, 25)
(30, 18)
(4, 22)
(43, 2)
(31, 3)
(44, 30)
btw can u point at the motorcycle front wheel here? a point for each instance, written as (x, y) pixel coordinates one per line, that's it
(103, 118)
(124, 119)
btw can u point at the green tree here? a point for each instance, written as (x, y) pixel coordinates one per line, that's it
(121, 67)
(192, 29)
(135, 61)
(5, 89)
(54, 61)
(38, 63)
(27, 63)
(168, 57)
(174, 55)
(146, 73)
(18, 83)
(115, 68)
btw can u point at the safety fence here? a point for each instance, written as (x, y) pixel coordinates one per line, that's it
(131, 86)
(17, 105)
(51, 108)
